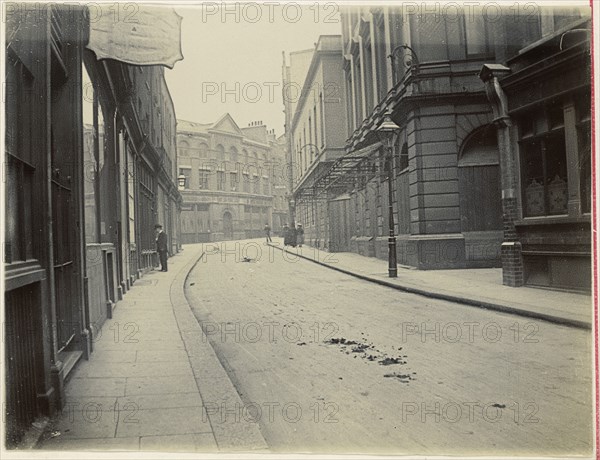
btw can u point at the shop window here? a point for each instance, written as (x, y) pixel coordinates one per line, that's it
(93, 151)
(19, 162)
(544, 164)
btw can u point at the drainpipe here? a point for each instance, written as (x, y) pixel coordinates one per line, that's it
(512, 260)
(56, 366)
(116, 150)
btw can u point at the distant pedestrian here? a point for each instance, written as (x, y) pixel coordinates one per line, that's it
(292, 236)
(286, 235)
(161, 247)
(268, 233)
(299, 236)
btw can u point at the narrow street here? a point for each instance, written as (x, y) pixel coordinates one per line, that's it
(330, 363)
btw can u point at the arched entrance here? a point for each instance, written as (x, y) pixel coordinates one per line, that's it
(227, 225)
(479, 182)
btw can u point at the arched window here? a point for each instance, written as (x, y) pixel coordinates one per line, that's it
(233, 153)
(183, 147)
(480, 148)
(203, 148)
(220, 152)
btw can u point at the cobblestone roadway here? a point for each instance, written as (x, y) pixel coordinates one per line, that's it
(460, 380)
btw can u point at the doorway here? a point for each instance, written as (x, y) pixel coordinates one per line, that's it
(227, 225)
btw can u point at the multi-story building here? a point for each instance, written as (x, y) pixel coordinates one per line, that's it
(472, 185)
(539, 87)
(232, 180)
(315, 109)
(89, 145)
(279, 189)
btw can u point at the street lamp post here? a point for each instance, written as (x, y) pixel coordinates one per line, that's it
(411, 61)
(387, 133)
(292, 204)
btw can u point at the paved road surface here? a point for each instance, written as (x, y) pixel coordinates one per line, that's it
(420, 376)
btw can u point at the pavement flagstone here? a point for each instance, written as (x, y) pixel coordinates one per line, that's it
(147, 380)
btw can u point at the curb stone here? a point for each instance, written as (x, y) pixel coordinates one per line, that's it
(453, 298)
(212, 380)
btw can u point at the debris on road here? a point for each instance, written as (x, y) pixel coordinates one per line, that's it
(404, 378)
(363, 348)
(390, 361)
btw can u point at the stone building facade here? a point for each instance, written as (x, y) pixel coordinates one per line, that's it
(89, 143)
(234, 180)
(468, 189)
(423, 72)
(539, 88)
(315, 109)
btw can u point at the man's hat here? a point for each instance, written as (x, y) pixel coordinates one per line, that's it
(158, 226)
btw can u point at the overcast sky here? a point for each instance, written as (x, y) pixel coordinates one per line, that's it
(232, 58)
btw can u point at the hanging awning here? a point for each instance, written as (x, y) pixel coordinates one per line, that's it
(344, 172)
(135, 33)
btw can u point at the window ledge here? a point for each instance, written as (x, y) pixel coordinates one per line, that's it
(22, 273)
(551, 220)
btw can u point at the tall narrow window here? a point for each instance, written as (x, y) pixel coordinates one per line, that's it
(381, 59)
(544, 163)
(203, 179)
(221, 180)
(368, 84)
(316, 131)
(476, 33)
(350, 102)
(358, 93)
(308, 146)
(322, 136)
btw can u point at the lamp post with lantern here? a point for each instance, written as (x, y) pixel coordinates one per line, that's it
(181, 182)
(387, 133)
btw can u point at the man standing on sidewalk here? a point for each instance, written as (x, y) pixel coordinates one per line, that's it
(161, 247)
(268, 233)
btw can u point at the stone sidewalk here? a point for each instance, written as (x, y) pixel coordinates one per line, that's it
(153, 382)
(480, 287)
